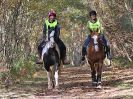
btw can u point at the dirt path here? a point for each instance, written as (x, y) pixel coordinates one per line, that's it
(75, 83)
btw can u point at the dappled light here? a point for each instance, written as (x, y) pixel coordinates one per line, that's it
(115, 84)
(24, 24)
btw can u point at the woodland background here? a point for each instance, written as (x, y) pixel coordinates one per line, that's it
(21, 23)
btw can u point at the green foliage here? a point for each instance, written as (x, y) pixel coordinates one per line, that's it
(126, 22)
(123, 62)
(23, 68)
(2, 75)
(30, 66)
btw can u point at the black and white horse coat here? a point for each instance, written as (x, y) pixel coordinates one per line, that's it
(51, 57)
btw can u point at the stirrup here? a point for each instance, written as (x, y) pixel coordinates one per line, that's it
(39, 62)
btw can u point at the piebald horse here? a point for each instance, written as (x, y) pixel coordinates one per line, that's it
(51, 57)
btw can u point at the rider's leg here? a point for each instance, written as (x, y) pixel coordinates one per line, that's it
(62, 48)
(107, 46)
(40, 47)
(83, 53)
(86, 43)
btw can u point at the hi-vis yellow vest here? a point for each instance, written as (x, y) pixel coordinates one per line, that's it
(51, 25)
(95, 26)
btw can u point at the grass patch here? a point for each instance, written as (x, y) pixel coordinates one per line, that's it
(124, 85)
(122, 62)
(123, 97)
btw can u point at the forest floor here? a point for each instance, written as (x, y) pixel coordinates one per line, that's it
(75, 83)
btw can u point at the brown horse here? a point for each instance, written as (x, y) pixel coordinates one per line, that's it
(96, 56)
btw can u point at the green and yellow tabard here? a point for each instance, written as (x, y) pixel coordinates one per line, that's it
(95, 26)
(51, 25)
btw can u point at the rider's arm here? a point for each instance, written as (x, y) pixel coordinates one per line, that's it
(88, 29)
(44, 31)
(57, 29)
(101, 30)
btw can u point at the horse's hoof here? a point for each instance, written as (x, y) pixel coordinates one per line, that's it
(56, 87)
(99, 83)
(94, 83)
(50, 87)
(99, 87)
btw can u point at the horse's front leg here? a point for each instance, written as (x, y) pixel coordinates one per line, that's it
(49, 76)
(94, 82)
(56, 76)
(56, 79)
(93, 75)
(99, 74)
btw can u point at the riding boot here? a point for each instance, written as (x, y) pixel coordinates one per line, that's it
(63, 55)
(64, 59)
(40, 47)
(109, 56)
(82, 61)
(107, 46)
(39, 61)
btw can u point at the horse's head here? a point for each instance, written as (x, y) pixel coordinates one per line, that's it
(94, 33)
(94, 37)
(50, 44)
(51, 39)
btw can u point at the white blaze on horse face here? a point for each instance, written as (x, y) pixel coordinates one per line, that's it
(52, 39)
(52, 36)
(95, 37)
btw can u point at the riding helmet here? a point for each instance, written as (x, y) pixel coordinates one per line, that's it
(92, 13)
(52, 13)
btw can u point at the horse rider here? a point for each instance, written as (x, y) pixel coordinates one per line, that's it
(95, 25)
(51, 24)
